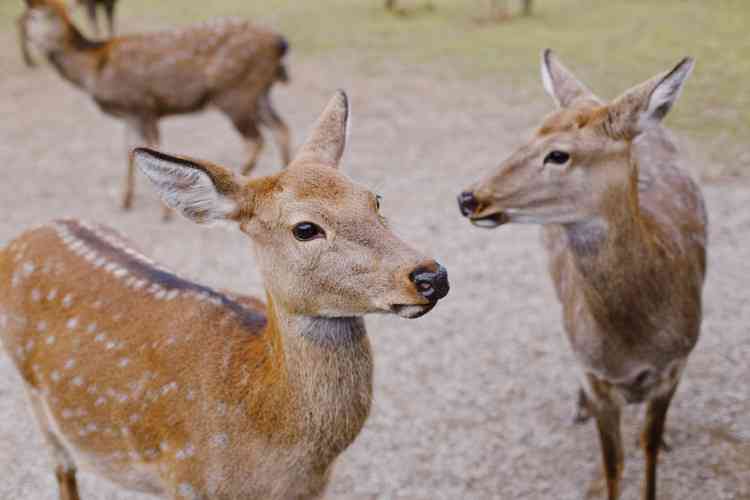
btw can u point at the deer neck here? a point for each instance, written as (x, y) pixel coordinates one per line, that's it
(79, 60)
(328, 369)
(613, 252)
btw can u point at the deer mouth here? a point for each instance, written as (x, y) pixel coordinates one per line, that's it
(412, 311)
(490, 221)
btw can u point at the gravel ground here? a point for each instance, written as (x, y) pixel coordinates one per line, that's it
(475, 399)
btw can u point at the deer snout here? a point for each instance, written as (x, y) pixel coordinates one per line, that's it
(467, 203)
(431, 281)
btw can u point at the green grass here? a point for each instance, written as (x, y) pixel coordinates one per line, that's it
(610, 44)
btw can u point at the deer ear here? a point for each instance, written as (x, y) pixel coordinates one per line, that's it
(648, 103)
(560, 83)
(327, 140)
(202, 192)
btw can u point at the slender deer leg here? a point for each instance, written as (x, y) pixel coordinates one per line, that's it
(139, 132)
(253, 141)
(652, 439)
(65, 469)
(110, 10)
(92, 13)
(583, 408)
(269, 117)
(608, 424)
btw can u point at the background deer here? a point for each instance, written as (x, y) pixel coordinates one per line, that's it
(170, 387)
(625, 230)
(230, 65)
(92, 7)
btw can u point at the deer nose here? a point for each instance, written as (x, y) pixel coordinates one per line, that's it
(467, 203)
(431, 281)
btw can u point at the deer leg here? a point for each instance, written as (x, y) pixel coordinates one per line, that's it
(65, 469)
(583, 408)
(92, 13)
(608, 424)
(248, 128)
(270, 118)
(652, 439)
(110, 10)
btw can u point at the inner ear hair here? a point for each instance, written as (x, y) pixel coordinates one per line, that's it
(202, 192)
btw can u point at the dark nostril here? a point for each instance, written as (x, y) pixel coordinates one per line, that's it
(432, 285)
(467, 203)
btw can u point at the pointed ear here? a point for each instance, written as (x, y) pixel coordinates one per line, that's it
(646, 104)
(327, 140)
(560, 83)
(202, 192)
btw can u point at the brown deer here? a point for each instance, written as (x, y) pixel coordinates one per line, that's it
(625, 230)
(230, 65)
(167, 386)
(92, 7)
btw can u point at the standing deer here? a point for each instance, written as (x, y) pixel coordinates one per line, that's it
(92, 7)
(625, 230)
(230, 65)
(167, 386)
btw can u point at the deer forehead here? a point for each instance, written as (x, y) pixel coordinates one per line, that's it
(583, 115)
(320, 189)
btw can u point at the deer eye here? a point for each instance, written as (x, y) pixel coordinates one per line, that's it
(378, 199)
(557, 157)
(306, 231)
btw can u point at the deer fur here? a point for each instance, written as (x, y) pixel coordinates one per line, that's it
(227, 64)
(625, 230)
(167, 386)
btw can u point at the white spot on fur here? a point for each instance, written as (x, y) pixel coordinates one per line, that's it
(28, 268)
(72, 323)
(123, 362)
(185, 453)
(77, 381)
(50, 340)
(52, 294)
(69, 364)
(67, 300)
(36, 295)
(220, 441)
(41, 326)
(55, 376)
(187, 491)
(100, 401)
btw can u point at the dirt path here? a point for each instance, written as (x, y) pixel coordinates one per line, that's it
(472, 401)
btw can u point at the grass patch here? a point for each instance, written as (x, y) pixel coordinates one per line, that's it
(611, 45)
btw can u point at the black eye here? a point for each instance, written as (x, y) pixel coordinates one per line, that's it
(306, 231)
(559, 157)
(378, 199)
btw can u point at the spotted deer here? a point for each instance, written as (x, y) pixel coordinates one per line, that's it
(228, 64)
(167, 386)
(625, 231)
(92, 10)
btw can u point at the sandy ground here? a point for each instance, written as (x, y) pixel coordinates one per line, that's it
(472, 401)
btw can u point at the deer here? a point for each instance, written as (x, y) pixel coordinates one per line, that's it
(92, 7)
(230, 65)
(167, 386)
(624, 228)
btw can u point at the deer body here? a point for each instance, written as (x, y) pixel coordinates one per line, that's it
(615, 277)
(139, 404)
(167, 386)
(625, 231)
(227, 64)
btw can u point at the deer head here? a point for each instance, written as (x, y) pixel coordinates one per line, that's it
(580, 152)
(45, 25)
(322, 246)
